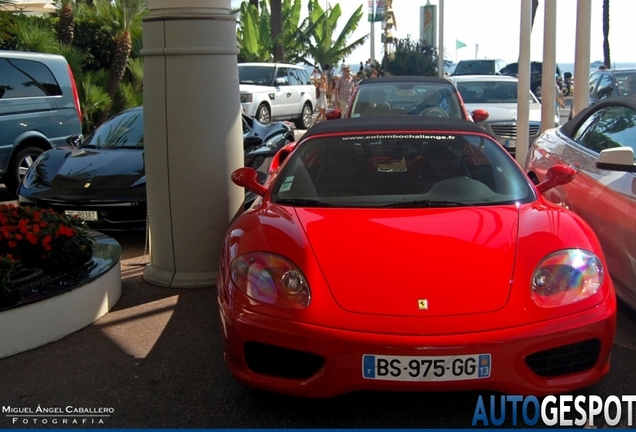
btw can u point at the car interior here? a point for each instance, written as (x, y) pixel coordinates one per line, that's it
(405, 99)
(463, 170)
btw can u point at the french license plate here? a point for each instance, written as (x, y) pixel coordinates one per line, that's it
(511, 143)
(438, 368)
(87, 215)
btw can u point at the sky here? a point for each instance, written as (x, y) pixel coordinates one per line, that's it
(490, 28)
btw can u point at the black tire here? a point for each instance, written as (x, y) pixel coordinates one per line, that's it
(306, 117)
(263, 114)
(18, 166)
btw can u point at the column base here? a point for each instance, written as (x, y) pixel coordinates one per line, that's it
(169, 279)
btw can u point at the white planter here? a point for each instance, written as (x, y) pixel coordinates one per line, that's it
(35, 324)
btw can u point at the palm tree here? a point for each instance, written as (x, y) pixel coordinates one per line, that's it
(323, 48)
(66, 24)
(120, 18)
(35, 36)
(254, 32)
(277, 30)
(535, 5)
(606, 47)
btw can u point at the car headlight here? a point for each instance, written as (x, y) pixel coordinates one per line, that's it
(32, 176)
(246, 97)
(566, 277)
(270, 279)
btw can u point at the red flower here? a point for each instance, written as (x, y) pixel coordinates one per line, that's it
(64, 231)
(32, 238)
(46, 243)
(23, 226)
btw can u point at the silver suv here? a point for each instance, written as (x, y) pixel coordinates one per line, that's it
(39, 109)
(277, 91)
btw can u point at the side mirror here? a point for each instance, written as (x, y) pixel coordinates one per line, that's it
(248, 178)
(616, 159)
(557, 175)
(333, 114)
(480, 115)
(75, 140)
(281, 155)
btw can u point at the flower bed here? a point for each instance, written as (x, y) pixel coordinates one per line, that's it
(56, 277)
(38, 246)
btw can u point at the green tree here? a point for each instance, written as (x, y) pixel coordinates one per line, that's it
(254, 35)
(120, 18)
(93, 98)
(322, 47)
(412, 58)
(35, 36)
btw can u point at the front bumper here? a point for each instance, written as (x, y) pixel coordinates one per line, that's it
(111, 216)
(305, 360)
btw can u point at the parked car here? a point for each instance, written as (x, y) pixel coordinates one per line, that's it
(374, 238)
(605, 83)
(604, 195)
(39, 109)
(406, 95)
(103, 179)
(479, 67)
(497, 94)
(536, 74)
(277, 91)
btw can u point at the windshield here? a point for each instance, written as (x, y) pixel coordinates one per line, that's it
(256, 75)
(125, 130)
(395, 170)
(486, 92)
(476, 67)
(406, 98)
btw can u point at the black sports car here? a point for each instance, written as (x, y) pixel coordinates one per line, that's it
(102, 179)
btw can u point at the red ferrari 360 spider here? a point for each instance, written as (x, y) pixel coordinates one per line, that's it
(411, 254)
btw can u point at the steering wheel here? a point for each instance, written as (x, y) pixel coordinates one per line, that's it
(434, 112)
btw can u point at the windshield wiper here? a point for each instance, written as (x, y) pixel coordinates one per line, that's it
(305, 202)
(424, 203)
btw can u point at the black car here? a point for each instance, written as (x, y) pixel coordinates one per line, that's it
(102, 179)
(536, 73)
(605, 83)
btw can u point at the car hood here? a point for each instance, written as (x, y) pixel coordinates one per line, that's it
(387, 262)
(505, 112)
(251, 88)
(96, 169)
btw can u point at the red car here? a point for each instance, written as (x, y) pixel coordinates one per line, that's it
(407, 95)
(410, 254)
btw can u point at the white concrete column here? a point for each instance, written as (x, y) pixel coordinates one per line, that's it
(548, 87)
(523, 103)
(581, 98)
(193, 137)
